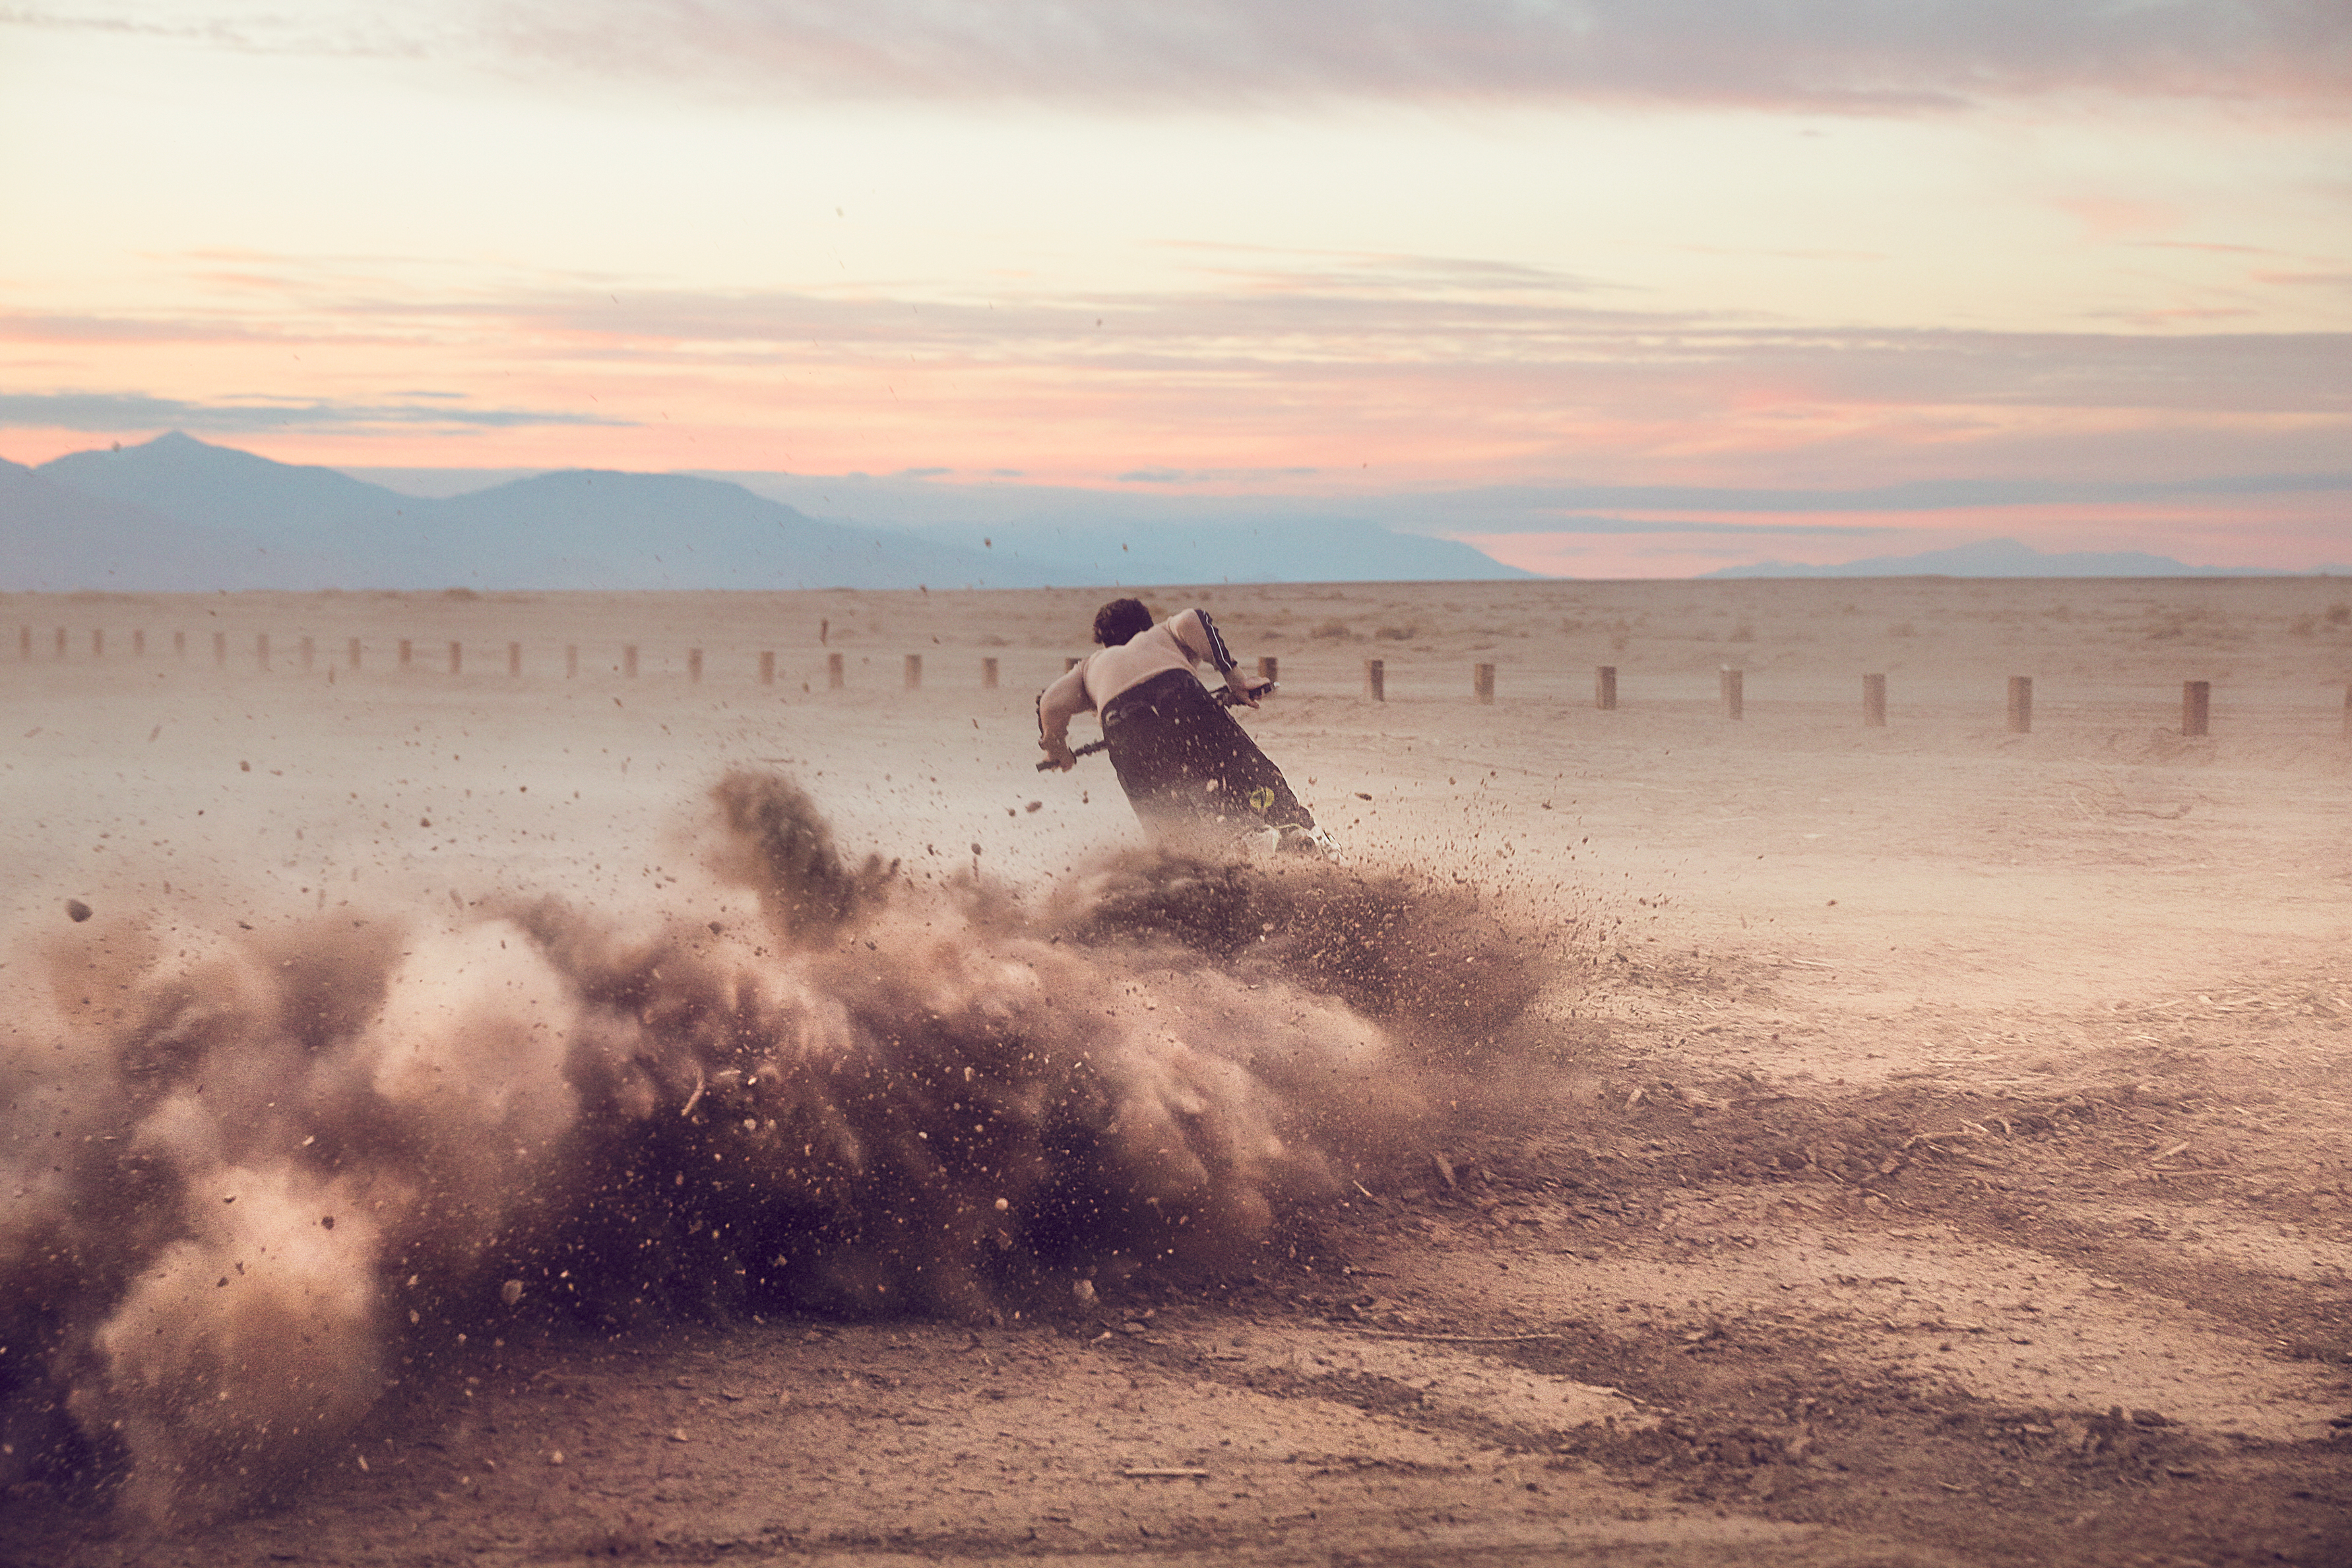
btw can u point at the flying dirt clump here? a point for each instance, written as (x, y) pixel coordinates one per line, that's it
(775, 842)
(1434, 961)
(258, 1177)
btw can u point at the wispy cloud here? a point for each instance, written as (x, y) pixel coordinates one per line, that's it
(1554, 350)
(1290, 377)
(1843, 53)
(1862, 55)
(136, 411)
(1498, 521)
(327, 28)
(128, 328)
(1554, 508)
(1209, 476)
(1552, 355)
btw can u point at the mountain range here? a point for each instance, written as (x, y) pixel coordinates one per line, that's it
(179, 514)
(2008, 558)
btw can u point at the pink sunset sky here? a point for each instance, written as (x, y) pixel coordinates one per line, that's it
(1683, 283)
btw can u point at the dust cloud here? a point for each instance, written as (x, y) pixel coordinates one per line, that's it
(258, 1178)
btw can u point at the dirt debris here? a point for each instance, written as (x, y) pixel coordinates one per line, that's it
(1934, 1155)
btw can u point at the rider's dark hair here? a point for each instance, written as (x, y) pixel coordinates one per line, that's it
(1119, 620)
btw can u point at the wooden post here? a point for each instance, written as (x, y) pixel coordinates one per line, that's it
(2020, 704)
(456, 657)
(220, 650)
(309, 652)
(1482, 682)
(61, 642)
(179, 644)
(514, 658)
(1733, 683)
(1604, 688)
(25, 643)
(97, 643)
(988, 674)
(1873, 700)
(1376, 679)
(629, 661)
(261, 649)
(914, 672)
(352, 654)
(138, 644)
(1268, 667)
(407, 653)
(694, 664)
(572, 661)
(768, 667)
(833, 673)
(2196, 707)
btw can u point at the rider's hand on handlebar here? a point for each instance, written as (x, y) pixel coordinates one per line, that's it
(1057, 753)
(1244, 687)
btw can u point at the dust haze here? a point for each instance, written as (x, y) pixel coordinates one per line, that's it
(1778, 1139)
(262, 1178)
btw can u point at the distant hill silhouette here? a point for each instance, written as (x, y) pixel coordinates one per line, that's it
(593, 529)
(219, 517)
(222, 488)
(177, 513)
(190, 514)
(1271, 549)
(2002, 558)
(54, 538)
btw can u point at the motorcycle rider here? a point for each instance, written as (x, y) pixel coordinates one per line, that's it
(1192, 773)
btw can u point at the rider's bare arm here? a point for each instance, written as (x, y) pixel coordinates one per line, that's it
(1199, 637)
(1056, 706)
(1197, 634)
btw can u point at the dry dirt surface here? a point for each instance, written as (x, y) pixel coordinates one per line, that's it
(1667, 1139)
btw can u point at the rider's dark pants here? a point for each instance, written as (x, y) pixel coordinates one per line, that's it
(1186, 765)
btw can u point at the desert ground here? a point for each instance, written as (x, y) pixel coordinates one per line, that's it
(1916, 1145)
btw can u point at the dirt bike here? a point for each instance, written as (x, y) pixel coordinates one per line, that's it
(1259, 837)
(1225, 698)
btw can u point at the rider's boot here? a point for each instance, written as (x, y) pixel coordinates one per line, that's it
(1293, 839)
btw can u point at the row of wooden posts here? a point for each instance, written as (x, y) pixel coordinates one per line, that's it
(2196, 697)
(308, 652)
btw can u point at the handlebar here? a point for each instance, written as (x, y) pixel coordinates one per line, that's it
(1088, 749)
(1225, 698)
